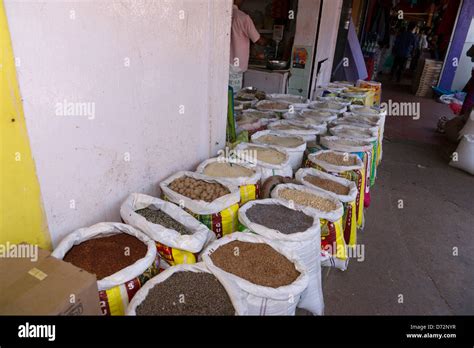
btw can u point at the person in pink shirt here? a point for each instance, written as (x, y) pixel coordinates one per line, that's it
(242, 32)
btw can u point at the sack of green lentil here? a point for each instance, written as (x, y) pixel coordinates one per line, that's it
(298, 230)
(309, 132)
(346, 192)
(359, 132)
(269, 160)
(294, 145)
(182, 290)
(243, 175)
(122, 257)
(362, 148)
(344, 165)
(212, 201)
(179, 237)
(261, 277)
(330, 211)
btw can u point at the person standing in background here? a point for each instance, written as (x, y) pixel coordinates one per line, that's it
(242, 32)
(404, 44)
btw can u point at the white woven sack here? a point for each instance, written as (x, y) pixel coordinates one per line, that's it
(193, 243)
(296, 153)
(306, 245)
(252, 299)
(106, 229)
(266, 169)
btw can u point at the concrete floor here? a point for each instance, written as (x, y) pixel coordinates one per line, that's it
(411, 251)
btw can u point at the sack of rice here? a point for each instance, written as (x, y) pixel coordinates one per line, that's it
(182, 290)
(338, 100)
(298, 230)
(288, 98)
(318, 116)
(243, 175)
(359, 132)
(269, 160)
(122, 257)
(344, 165)
(278, 106)
(294, 145)
(346, 192)
(362, 148)
(333, 107)
(212, 201)
(179, 237)
(330, 211)
(261, 277)
(309, 132)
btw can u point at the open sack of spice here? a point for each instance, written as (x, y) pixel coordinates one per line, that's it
(309, 132)
(362, 133)
(296, 229)
(179, 236)
(212, 201)
(330, 212)
(269, 160)
(261, 277)
(237, 173)
(344, 165)
(122, 257)
(346, 192)
(359, 147)
(182, 290)
(294, 145)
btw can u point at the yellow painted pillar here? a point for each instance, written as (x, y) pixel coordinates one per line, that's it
(22, 218)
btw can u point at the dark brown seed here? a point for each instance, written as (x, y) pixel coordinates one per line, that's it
(280, 218)
(107, 255)
(187, 293)
(258, 263)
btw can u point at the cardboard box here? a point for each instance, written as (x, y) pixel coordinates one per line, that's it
(46, 286)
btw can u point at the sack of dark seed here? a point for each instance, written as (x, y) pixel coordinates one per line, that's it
(261, 277)
(122, 257)
(296, 229)
(178, 235)
(182, 290)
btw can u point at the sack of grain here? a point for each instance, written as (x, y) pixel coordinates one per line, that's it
(375, 86)
(196, 292)
(245, 176)
(330, 211)
(331, 106)
(338, 100)
(318, 116)
(359, 132)
(346, 192)
(309, 132)
(362, 148)
(294, 145)
(179, 237)
(298, 230)
(277, 106)
(116, 289)
(344, 165)
(269, 160)
(212, 201)
(465, 155)
(261, 277)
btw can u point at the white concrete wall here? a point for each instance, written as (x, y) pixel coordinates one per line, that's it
(79, 52)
